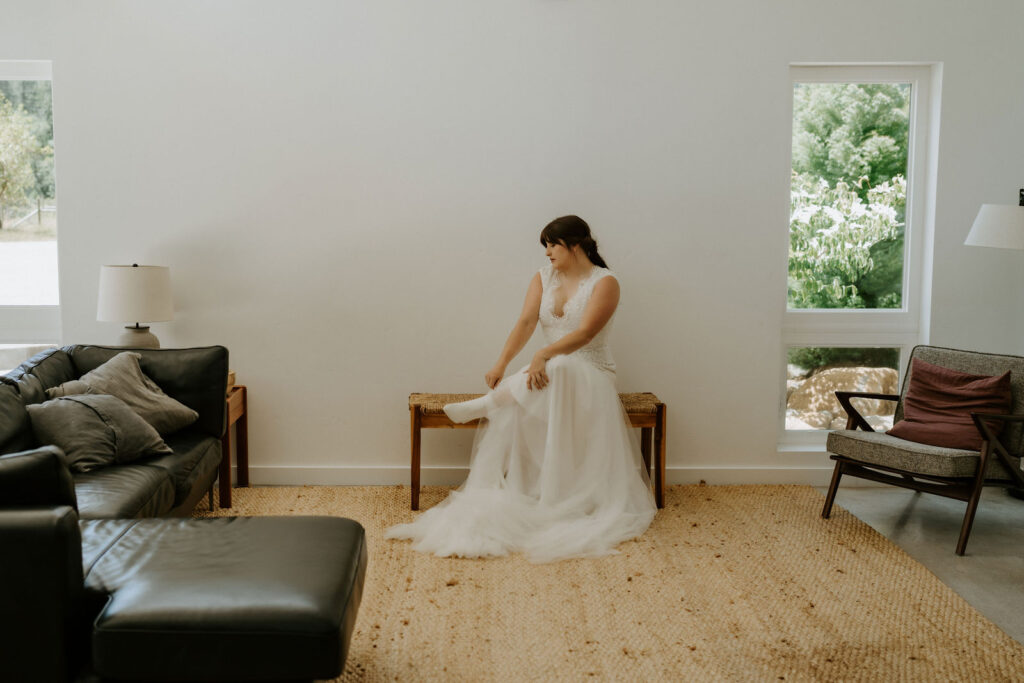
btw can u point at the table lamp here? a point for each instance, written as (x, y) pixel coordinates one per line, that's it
(1002, 227)
(135, 293)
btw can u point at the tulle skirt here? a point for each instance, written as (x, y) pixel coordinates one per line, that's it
(554, 474)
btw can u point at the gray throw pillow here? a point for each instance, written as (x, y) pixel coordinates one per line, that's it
(72, 387)
(122, 377)
(94, 430)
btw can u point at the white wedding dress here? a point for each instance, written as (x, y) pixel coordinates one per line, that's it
(555, 473)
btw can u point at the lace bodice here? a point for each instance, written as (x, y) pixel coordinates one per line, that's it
(556, 327)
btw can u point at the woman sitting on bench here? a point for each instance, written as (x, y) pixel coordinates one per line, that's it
(555, 472)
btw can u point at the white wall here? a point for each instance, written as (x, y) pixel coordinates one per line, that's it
(349, 194)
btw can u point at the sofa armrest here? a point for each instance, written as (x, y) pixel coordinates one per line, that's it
(197, 377)
(41, 573)
(36, 477)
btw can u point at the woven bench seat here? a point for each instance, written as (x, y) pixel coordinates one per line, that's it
(433, 404)
(645, 411)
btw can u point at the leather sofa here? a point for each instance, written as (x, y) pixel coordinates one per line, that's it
(105, 589)
(160, 486)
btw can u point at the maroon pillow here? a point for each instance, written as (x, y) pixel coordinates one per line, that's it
(938, 406)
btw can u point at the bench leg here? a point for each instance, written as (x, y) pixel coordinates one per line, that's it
(225, 469)
(242, 444)
(414, 436)
(646, 434)
(659, 456)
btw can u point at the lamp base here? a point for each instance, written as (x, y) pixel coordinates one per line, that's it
(138, 337)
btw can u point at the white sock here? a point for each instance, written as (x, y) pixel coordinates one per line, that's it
(469, 410)
(502, 395)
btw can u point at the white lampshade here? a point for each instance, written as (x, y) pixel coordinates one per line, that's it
(135, 294)
(998, 225)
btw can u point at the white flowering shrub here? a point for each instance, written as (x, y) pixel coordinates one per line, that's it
(845, 252)
(848, 200)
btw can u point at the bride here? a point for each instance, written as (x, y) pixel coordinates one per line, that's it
(555, 472)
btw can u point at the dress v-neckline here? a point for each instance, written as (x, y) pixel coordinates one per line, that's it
(579, 286)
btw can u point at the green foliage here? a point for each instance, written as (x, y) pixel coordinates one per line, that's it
(882, 286)
(18, 148)
(813, 358)
(836, 240)
(35, 99)
(848, 195)
(851, 131)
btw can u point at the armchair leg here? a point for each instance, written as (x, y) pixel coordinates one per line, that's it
(972, 502)
(965, 528)
(830, 497)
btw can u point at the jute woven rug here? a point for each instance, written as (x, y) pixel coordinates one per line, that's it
(729, 583)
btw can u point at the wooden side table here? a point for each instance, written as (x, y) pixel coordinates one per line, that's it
(237, 403)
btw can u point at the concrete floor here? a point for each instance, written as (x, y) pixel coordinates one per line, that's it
(990, 576)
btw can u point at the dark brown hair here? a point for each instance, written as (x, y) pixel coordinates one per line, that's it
(570, 231)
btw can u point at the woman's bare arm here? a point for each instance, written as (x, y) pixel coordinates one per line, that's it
(599, 310)
(520, 334)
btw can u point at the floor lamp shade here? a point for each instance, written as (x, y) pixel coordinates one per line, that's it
(135, 294)
(998, 225)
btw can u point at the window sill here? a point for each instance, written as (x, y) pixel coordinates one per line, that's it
(809, 448)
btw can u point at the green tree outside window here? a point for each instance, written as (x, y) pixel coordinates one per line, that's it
(26, 146)
(848, 194)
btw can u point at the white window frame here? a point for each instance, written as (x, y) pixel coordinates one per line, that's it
(29, 324)
(900, 328)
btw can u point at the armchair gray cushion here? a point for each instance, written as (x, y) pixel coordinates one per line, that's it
(878, 448)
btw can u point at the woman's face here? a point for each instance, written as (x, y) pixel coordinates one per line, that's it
(561, 256)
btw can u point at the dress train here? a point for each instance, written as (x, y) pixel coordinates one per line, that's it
(556, 473)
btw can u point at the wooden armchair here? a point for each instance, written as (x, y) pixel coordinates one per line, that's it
(860, 451)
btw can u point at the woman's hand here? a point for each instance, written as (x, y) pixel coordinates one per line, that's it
(494, 375)
(536, 377)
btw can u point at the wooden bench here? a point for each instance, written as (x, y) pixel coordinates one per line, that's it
(645, 411)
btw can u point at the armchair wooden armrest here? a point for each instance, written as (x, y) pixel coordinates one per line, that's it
(983, 421)
(854, 420)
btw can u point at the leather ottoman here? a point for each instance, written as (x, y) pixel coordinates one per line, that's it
(254, 598)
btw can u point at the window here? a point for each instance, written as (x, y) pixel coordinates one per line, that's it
(856, 230)
(12, 355)
(814, 373)
(29, 296)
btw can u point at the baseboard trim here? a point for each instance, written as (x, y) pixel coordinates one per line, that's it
(298, 475)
